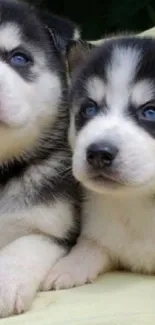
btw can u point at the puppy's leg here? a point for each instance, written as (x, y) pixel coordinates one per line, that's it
(23, 266)
(82, 265)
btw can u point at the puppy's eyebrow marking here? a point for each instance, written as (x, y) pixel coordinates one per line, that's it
(10, 36)
(143, 92)
(121, 72)
(96, 89)
(122, 69)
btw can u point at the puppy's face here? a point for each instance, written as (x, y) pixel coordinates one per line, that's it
(112, 131)
(30, 78)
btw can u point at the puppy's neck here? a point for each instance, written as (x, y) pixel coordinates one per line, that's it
(125, 208)
(123, 201)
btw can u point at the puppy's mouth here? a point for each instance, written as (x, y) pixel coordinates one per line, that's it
(109, 179)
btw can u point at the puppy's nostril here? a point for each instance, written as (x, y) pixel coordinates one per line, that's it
(92, 153)
(107, 156)
(101, 154)
(90, 156)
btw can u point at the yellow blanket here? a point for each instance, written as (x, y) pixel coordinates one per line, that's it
(115, 299)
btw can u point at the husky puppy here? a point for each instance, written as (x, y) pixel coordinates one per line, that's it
(38, 195)
(112, 134)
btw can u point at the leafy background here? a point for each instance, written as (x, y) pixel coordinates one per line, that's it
(99, 17)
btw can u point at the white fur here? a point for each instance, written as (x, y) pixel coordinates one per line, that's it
(83, 263)
(114, 125)
(132, 142)
(23, 265)
(120, 74)
(16, 111)
(118, 227)
(10, 36)
(27, 231)
(96, 89)
(120, 233)
(142, 92)
(26, 258)
(20, 124)
(53, 219)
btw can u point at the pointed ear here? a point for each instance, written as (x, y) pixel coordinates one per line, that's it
(76, 53)
(61, 30)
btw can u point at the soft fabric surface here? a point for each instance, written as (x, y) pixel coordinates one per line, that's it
(115, 299)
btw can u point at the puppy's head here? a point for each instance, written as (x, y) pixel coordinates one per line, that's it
(32, 75)
(112, 130)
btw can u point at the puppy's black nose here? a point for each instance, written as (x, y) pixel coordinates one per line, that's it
(101, 154)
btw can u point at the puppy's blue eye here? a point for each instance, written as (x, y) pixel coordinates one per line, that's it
(19, 60)
(149, 113)
(89, 109)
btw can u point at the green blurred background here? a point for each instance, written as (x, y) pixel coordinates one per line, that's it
(98, 18)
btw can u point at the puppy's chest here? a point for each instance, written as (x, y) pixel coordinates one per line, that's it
(126, 228)
(19, 216)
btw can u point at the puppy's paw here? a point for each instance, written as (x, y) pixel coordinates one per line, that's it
(15, 296)
(66, 275)
(82, 265)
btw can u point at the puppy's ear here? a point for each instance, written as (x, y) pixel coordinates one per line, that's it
(76, 53)
(61, 30)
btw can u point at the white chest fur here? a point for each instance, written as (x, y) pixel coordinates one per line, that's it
(18, 218)
(125, 227)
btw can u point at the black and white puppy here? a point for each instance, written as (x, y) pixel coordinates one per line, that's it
(38, 195)
(112, 134)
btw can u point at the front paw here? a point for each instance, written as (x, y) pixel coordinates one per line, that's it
(15, 295)
(65, 275)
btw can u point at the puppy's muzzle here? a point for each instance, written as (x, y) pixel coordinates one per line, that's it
(101, 155)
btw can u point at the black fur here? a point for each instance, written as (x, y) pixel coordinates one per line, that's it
(97, 61)
(42, 31)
